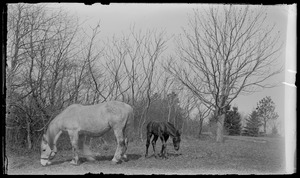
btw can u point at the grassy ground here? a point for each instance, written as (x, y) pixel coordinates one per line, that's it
(196, 156)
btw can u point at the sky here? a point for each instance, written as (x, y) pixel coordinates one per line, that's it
(116, 19)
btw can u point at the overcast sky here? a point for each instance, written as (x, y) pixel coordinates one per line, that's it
(116, 19)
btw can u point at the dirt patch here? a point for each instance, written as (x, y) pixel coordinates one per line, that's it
(195, 156)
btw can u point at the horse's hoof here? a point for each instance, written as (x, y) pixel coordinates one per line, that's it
(90, 158)
(115, 161)
(125, 159)
(47, 163)
(75, 163)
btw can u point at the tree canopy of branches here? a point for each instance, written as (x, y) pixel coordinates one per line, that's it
(225, 52)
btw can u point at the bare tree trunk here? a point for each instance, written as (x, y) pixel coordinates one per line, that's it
(144, 117)
(182, 127)
(169, 114)
(265, 126)
(141, 129)
(200, 126)
(220, 127)
(175, 117)
(28, 136)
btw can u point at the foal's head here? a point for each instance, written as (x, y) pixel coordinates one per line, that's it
(176, 140)
(46, 152)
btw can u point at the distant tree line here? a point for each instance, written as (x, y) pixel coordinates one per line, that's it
(253, 122)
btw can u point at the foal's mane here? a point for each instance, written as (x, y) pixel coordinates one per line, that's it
(172, 130)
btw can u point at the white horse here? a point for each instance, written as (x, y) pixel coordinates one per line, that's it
(82, 122)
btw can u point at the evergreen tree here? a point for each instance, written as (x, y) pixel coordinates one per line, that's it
(232, 123)
(252, 125)
(266, 111)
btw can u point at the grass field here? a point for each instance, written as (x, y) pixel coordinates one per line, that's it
(196, 156)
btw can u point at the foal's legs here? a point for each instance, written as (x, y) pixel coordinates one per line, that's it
(163, 147)
(73, 134)
(148, 143)
(153, 144)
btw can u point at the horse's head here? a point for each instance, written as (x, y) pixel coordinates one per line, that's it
(46, 152)
(176, 141)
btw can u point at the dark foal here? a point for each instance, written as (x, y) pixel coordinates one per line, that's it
(162, 130)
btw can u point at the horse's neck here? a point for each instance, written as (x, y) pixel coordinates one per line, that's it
(53, 133)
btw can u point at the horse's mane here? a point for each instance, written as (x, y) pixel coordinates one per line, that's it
(51, 132)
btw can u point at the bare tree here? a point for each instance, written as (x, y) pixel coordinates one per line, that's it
(116, 56)
(167, 83)
(191, 104)
(203, 113)
(154, 45)
(131, 64)
(94, 84)
(38, 53)
(188, 106)
(226, 52)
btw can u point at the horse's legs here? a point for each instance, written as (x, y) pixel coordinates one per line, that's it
(81, 138)
(124, 156)
(55, 140)
(86, 149)
(124, 148)
(148, 142)
(121, 146)
(153, 144)
(74, 141)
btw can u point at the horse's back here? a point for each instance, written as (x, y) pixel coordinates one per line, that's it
(118, 112)
(101, 116)
(69, 112)
(114, 107)
(106, 109)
